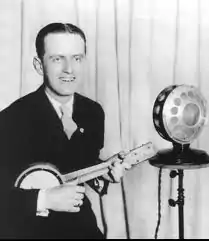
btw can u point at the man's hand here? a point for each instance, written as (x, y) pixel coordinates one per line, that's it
(118, 168)
(65, 198)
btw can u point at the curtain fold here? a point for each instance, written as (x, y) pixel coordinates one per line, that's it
(135, 49)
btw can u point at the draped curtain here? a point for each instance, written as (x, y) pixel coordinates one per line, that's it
(135, 48)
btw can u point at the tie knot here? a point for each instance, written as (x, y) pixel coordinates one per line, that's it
(65, 110)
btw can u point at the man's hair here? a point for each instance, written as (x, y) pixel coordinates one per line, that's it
(56, 28)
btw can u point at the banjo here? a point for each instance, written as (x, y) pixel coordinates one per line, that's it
(46, 175)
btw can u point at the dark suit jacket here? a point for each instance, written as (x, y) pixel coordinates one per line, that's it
(30, 132)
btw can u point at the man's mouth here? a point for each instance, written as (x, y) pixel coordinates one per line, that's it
(69, 79)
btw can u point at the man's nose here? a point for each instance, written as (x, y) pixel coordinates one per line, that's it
(68, 66)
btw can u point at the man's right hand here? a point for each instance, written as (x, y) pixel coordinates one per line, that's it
(65, 198)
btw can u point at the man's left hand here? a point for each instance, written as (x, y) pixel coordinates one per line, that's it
(118, 168)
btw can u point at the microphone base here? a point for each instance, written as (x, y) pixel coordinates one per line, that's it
(180, 157)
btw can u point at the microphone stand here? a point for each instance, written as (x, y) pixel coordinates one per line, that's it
(179, 201)
(179, 158)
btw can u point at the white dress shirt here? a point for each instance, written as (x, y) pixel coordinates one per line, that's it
(56, 104)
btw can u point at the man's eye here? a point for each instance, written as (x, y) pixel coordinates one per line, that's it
(56, 59)
(78, 58)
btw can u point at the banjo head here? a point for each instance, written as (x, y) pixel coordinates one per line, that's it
(39, 176)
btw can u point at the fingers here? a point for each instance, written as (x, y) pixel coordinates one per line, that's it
(126, 166)
(73, 204)
(75, 207)
(74, 210)
(79, 196)
(117, 170)
(116, 177)
(79, 189)
(66, 197)
(75, 192)
(120, 164)
(117, 165)
(123, 165)
(78, 203)
(122, 154)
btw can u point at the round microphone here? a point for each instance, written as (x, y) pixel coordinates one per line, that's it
(179, 113)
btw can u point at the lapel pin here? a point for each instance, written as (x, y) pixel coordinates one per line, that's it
(81, 130)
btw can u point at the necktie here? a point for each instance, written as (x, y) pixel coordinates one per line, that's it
(68, 124)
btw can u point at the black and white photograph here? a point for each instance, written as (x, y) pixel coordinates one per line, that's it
(104, 119)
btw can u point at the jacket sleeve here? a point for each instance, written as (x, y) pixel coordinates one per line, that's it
(99, 184)
(14, 152)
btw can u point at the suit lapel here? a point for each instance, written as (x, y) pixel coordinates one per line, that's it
(50, 117)
(79, 112)
(47, 113)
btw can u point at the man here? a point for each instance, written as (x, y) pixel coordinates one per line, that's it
(33, 130)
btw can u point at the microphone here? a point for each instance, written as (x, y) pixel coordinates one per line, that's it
(179, 115)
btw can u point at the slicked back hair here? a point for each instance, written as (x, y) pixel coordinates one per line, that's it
(56, 28)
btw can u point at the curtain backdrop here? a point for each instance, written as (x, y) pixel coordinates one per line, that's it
(136, 48)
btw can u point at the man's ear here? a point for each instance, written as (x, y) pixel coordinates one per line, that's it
(38, 65)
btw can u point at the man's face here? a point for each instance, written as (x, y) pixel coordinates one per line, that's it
(63, 63)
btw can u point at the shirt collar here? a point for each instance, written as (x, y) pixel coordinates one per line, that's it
(56, 104)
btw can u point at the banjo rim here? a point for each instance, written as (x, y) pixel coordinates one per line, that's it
(39, 167)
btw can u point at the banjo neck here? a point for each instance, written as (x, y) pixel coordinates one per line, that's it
(133, 157)
(90, 173)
